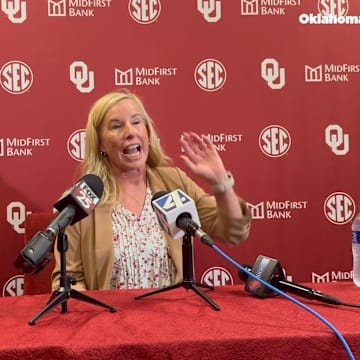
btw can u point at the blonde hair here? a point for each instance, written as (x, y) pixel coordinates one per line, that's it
(97, 164)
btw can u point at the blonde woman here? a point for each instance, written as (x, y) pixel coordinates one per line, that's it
(121, 245)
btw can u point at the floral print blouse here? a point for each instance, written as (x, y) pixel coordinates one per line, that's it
(142, 258)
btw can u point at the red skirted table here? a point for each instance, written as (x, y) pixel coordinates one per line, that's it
(181, 325)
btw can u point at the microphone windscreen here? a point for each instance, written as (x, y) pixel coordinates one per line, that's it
(242, 275)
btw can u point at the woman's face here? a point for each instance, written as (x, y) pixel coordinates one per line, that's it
(124, 136)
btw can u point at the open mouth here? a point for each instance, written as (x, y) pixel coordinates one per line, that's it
(132, 150)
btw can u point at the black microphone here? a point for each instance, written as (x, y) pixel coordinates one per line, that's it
(189, 226)
(77, 203)
(176, 210)
(276, 279)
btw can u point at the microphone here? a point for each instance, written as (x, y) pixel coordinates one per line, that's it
(177, 215)
(271, 272)
(77, 203)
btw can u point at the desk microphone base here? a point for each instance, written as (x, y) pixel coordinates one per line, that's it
(188, 271)
(65, 292)
(188, 285)
(61, 297)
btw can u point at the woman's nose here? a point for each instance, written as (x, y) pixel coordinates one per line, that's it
(129, 130)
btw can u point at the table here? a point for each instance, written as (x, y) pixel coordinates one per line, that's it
(180, 325)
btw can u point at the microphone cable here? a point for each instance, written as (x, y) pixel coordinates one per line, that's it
(326, 322)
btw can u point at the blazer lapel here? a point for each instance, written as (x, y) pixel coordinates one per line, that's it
(104, 251)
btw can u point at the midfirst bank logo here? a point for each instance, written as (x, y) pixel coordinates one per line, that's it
(221, 141)
(339, 208)
(331, 276)
(16, 77)
(144, 11)
(217, 276)
(15, 10)
(272, 209)
(21, 147)
(274, 141)
(267, 7)
(143, 76)
(330, 72)
(72, 8)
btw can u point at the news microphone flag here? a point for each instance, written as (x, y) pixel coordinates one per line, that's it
(84, 197)
(170, 206)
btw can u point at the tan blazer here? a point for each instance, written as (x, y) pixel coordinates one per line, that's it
(90, 255)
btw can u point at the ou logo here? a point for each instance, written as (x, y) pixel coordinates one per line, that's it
(16, 77)
(16, 215)
(14, 286)
(76, 145)
(208, 7)
(210, 75)
(339, 208)
(337, 140)
(12, 8)
(80, 75)
(274, 141)
(217, 276)
(144, 11)
(271, 72)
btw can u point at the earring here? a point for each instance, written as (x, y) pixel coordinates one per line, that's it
(103, 154)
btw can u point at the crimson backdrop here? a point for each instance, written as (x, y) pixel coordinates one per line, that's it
(278, 97)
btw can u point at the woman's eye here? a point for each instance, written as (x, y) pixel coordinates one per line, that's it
(116, 126)
(136, 121)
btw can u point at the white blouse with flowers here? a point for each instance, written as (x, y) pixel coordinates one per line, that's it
(142, 258)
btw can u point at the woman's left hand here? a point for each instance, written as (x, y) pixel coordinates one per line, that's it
(202, 158)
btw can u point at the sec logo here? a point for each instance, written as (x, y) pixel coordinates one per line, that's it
(217, 276)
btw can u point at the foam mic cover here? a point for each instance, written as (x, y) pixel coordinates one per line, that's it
(266, 269)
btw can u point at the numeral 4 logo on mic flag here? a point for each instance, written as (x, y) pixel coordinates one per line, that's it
(170, 206)
(173, 200)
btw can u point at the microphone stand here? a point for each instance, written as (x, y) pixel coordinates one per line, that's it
(188, 276)
(65, 292)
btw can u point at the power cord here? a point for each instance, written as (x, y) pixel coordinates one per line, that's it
(273, 288)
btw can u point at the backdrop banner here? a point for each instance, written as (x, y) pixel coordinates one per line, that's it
(271, 82)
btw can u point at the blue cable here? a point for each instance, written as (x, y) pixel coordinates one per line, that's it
(332, 327)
